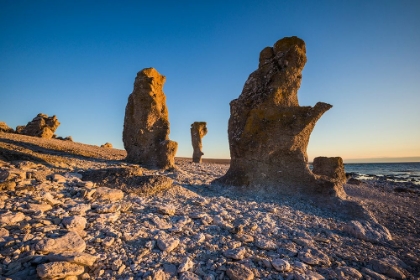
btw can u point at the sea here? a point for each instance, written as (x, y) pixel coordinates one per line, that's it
(398, 172)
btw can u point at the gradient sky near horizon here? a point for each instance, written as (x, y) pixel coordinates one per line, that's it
(78, 60)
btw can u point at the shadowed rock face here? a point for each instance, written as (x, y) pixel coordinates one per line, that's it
(146, 124)
(41, 126)
(268, 130)
(332, 167)
(198, 131)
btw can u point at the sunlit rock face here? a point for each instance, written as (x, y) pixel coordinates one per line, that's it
(268, 130)
(198, 131)
(146, 123)
(41, 126)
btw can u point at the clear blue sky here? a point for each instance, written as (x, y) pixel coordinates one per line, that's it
(78, 60)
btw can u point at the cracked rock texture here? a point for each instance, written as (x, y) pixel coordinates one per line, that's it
(268, 130)
(41, 126)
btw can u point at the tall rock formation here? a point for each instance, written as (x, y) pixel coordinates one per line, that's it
(41, 126)
(146, 124)
(268, 130)
(198, 131)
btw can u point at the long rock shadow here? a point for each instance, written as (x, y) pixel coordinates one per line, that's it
(11, 154)
(303, 204)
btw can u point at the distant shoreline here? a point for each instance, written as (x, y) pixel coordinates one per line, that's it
(361, 161)
(206, 160)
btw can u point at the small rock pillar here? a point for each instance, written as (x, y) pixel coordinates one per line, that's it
(198, 131)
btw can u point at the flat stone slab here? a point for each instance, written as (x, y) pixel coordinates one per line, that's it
(59, 270)
(77, 258)
(167, 244)
(70, 242)
(238, 271)
(11, 218)
(104, 193)
(313, 256)
(364, 230)
(74, 222)
(148, 185)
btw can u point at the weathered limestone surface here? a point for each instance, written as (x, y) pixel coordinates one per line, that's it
(190, 230)
(68, 243)
(41, 126)
(59, 270)
(198, 131)
(146, 123)
(268, 130)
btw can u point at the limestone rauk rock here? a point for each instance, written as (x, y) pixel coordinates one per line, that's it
(268, 130)
(198, 131)
(332, 167)
(146, 123)
(41, 126)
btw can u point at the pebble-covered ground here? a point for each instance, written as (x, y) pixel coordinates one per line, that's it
(55, 225)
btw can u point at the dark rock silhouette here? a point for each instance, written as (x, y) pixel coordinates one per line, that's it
(198, 131)
(268, 130)
(41, 126)
(146, 124)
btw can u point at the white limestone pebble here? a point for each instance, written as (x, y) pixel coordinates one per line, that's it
(281, 265)
(167, 244)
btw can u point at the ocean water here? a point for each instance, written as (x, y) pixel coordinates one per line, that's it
(399, 172)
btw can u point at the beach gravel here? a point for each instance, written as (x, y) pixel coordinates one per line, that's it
(53, 221)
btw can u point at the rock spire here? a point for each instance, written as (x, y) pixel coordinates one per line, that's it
(146, 123)
(268, 130)
(198, 131)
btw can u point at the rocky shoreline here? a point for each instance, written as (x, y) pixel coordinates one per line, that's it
(56, 224)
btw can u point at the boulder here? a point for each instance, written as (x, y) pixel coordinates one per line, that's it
(390, 266)
(75, 257)
(71, 242)
(198, 131)
(269, 132)
(129, 179)
(106, 145)
(11, 218)
(19, 129)
(41, 126)
(5, 128)
(59, 270)
(148, 185)
(146, 123)
(238, 271)
(108, 194)
(332, 167)
(368, 231)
